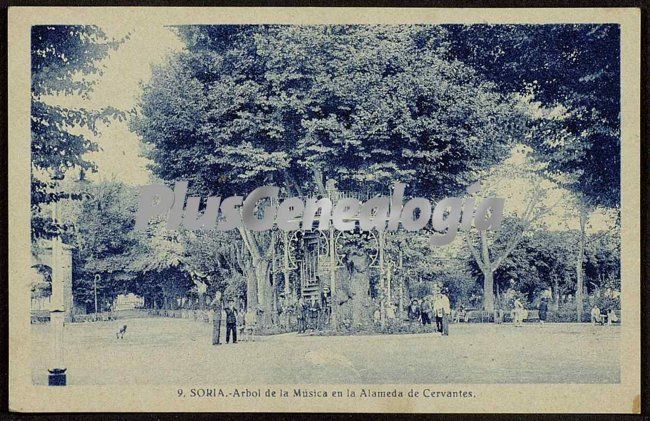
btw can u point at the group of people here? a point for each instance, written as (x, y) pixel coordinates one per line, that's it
(308, 314)
(232, 320)
(604, 307)
(603, 315)
(519, 312)
(436, 307)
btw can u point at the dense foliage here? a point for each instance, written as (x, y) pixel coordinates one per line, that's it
(436, 107)
(64, 60)
(364, 105)
(573, 68)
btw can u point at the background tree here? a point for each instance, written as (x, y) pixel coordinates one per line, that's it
(104, 240)
(574, 70)
(603, 260)
(293, 106)
(517, 180)
(64, 59)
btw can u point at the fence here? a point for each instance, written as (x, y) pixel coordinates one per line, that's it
(480, 316)
(472, 316)
(201, 315)
(44, 317)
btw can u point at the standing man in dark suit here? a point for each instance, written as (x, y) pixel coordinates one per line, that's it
(231, 322)
(543, 310)
(301, 313)
(314, 313)
(217, 307)
(446, 307)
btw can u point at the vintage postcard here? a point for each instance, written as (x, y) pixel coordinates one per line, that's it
(324, 210)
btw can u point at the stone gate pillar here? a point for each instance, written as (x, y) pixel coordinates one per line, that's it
(62, 298)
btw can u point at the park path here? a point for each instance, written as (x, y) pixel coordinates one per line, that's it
(177, 351)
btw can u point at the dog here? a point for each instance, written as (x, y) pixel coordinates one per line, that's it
(122, 331)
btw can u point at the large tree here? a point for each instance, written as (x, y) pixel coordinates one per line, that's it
(365, 105)
(573, 73)
(573, 68)
(294, 105)
(64, 60)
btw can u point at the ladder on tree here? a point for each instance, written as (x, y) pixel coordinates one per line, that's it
(310, 284)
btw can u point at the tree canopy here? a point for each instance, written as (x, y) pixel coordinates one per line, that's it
(64, 59)
(571, 68)
(436, 107)
(364, 105)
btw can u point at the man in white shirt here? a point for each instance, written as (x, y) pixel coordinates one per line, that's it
(438, 311)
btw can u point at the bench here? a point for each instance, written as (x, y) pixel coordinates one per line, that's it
(481, 316)
(39, 318)
(604, 319)
(533, 316)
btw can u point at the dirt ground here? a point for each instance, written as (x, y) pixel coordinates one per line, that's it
(179, 352)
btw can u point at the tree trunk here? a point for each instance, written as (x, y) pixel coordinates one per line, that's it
(400, 309)
(258, 288)
(359, 286)
(264, 293)
(285, 265)
(488, 296)
(488, 275)
(251, 289)
(498, 298)
(579, 271)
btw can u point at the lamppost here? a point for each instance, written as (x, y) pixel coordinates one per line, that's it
(57, 375)
(98, 277)
(382, 275)
(61, 299)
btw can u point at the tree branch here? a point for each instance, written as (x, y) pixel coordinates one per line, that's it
(474, 252)
(512, 244)
(290, 181)
(485, 251)
(250, 243)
